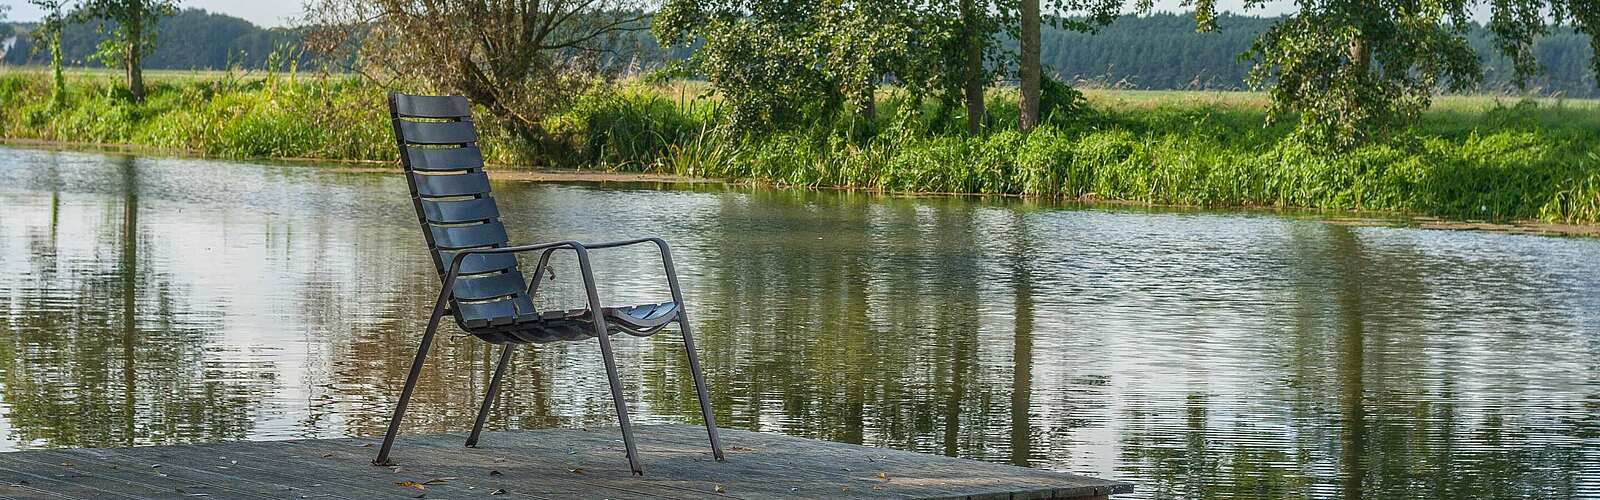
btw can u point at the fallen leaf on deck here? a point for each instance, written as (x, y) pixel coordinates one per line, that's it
(496, 473)
(411, 484)
(720, 489)
(576, 470)
(327, 455)
(883, 475)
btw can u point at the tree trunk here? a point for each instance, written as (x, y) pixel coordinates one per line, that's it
(132, 52)
(59, 97)
(973, 79)
(1361, 54)
(1030, 70)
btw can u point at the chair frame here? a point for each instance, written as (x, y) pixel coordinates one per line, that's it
(441, 307)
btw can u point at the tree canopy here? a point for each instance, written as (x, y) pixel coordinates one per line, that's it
(772, 58)
(1358, 70)
(521, 60)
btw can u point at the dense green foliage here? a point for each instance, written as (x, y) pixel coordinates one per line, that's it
(775, 61)
(1363, 71)
(1470, 158)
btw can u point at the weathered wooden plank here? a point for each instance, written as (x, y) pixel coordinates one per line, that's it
(315, 460)
(542, 468)
(932, 476)
(958, 470)
(57, 478)
(554, 463)
(664, 460)
(143, 475)
(735, 474)
(265, 471)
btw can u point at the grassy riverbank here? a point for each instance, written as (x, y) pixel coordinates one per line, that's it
(1472, 157)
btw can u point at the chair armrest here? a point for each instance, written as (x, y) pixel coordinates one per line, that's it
(455, 262)
(661, 245)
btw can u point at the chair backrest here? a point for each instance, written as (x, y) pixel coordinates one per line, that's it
(439, 149)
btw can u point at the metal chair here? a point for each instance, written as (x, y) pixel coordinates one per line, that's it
(482, 286)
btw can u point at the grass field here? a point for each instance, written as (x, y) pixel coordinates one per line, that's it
(1471, 157)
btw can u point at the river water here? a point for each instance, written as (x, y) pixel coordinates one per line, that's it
(151, 301)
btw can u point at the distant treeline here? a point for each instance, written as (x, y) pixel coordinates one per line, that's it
(1163, 51)
(1159, 51)
(191, 39)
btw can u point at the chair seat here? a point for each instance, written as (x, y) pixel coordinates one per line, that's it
(573, 324)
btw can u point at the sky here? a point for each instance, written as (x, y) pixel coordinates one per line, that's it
(281, 12)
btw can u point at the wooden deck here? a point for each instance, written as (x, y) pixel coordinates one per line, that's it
(555, 463)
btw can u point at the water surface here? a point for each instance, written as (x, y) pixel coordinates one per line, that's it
(152, 301)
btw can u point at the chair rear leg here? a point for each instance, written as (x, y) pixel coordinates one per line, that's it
(411, 384)
(488, 397)
(688, 346)
(700, 384)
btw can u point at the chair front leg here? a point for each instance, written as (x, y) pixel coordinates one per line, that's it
(688, 347)
(416, 367)
(488, 397)
(599, 319)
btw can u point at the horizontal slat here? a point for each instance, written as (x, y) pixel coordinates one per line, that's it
(488, 287)
(438, 132)
(452, 185)
(498, 312)
(479, 262)
(647, 312)
(457, 211)
(431, 106)
(433, 159)
(553, 331)
(476, 235)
